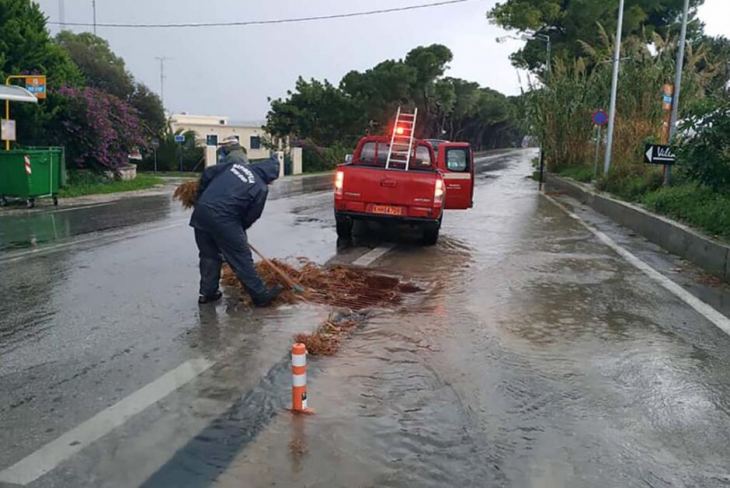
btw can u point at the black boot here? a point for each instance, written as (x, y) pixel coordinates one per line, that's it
(265, 299)
(202, 299)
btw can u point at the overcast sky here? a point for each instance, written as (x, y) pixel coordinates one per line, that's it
(232, 70)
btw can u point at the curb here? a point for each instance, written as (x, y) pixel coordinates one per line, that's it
(710, 254)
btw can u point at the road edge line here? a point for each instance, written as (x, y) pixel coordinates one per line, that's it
(707, 311)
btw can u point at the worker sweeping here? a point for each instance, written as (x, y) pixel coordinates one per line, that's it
(231, 197)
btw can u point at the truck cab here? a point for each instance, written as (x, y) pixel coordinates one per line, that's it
(373, 187)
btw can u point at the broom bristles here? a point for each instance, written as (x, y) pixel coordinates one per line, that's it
(187, 193)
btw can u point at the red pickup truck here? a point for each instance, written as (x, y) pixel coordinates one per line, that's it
(415, 194)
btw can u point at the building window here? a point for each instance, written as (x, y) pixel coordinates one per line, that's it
(211, 140)
(255, 142)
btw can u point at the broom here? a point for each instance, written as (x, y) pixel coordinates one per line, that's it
(292, 284)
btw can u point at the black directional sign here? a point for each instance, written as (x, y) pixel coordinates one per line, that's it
(659, 154)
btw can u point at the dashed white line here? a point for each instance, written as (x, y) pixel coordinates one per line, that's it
(371, 256)
(717, 318)
(55, 452)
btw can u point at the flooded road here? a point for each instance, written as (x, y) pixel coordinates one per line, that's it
(535, 357)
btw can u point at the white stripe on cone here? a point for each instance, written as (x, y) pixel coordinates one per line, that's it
(299, 379)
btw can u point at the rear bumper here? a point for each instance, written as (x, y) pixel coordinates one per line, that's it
(387, 218)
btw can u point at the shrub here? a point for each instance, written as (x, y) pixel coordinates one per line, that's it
(169, 153)
(694, 204)
(631, 187)
(100, 130)
(704, 152)
(323, 159)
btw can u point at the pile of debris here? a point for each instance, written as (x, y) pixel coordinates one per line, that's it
(325, 341)
(337, 286)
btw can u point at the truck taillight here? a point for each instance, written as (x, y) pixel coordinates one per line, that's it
(339, 182)
(399, 131)
(438, 191)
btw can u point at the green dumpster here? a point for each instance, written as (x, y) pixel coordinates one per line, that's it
(31, 173)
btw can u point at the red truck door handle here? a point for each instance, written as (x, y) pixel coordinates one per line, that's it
(388, 183)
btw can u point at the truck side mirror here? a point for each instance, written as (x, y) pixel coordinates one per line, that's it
(348, 158)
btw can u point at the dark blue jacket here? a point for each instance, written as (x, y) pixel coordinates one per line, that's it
(233, 193)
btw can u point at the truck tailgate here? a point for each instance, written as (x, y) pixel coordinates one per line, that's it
(369, 189)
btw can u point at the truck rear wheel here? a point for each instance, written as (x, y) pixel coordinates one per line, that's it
(431, 233)
(344, 227)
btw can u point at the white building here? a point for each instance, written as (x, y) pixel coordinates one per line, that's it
(210, 130)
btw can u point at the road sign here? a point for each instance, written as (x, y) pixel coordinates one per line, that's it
(600, 117)
(36, 84)
(155, 143)
(7, 130)
(659, 154)
(179, 138)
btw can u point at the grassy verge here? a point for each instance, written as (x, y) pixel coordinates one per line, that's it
(78, 187)
(578, 173)
(694, 205)
(698, 206)
(170, 174)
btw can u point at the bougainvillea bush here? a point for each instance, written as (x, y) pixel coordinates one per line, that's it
(100, 129)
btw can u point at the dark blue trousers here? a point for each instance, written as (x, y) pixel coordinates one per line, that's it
(219, 240)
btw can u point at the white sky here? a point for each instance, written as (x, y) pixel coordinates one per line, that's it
(232, 70)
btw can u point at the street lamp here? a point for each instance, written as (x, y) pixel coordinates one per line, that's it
(614, 88)
(533, 36)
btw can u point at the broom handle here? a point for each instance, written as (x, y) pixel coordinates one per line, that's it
(276, 269)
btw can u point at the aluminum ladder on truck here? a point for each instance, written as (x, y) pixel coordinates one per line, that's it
(401, 142)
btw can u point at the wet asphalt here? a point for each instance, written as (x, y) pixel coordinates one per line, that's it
(535, 357)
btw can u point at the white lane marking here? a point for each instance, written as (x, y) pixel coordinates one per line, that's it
(83, 207)
(369, 257)
(55, 452)
(717, 318)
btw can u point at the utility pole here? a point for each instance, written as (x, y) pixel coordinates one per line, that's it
(614, 89)
(677, 85)
(61, 15)
(162, 60)
(93, 8)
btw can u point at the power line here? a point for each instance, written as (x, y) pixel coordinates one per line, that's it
(272, 21)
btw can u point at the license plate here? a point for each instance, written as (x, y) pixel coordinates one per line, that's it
(386, 210)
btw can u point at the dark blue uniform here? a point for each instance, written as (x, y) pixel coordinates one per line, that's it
(231, 198)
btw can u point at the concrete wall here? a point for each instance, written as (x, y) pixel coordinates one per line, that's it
(708, 253)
